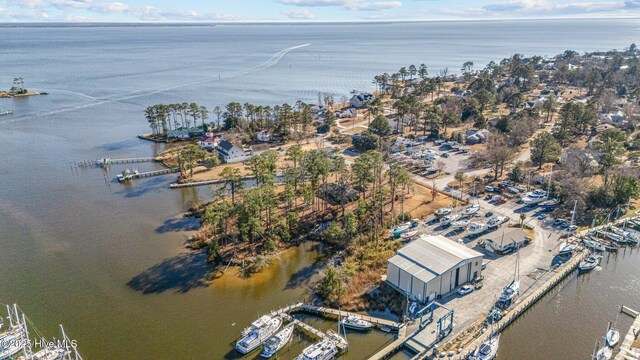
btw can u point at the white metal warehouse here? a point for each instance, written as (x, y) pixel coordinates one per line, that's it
(432, 265)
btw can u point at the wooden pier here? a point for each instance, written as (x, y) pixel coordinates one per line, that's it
(630, 347)
(198, 183)
(123, 178)
(131, 160)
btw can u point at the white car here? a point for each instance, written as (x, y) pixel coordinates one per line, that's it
(465, 289)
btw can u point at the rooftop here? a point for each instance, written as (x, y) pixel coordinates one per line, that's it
(431, 255)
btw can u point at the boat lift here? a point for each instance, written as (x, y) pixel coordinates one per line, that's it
(445, 321)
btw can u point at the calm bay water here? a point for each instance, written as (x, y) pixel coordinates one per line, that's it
(106, 260)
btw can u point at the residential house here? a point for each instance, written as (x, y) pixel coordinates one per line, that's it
(476, 136)
(358, 101)
(178, 134)
(209, 142)
(612, 118)
(230, 153)
(263, 136)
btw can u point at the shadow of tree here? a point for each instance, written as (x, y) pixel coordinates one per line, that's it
(118, 145)
(180, 273)
(182, 223)
(304, 275)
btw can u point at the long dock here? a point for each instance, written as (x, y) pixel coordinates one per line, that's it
(525, 304)
(630, 347)
(123, 178)
(198, 183)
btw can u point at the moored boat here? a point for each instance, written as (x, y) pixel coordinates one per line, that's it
(550, 203)
(277, 341)
(488, 349)
(589, 263)
(325, 349)
(604, 354)
(594, 245)
(356, 322)
(612, 337)
(260, 330)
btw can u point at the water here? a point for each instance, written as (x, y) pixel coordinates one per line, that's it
(106, 260)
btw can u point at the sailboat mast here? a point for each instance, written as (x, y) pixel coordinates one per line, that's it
(573, 213)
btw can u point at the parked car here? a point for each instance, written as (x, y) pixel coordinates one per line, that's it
(542, 216)
(571, 228)
(489, 188)
(488, 214)
(558, 222)
(465, 289)
(513, 190)
(445, 155)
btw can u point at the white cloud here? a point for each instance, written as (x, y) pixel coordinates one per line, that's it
(31, 4)
(356, 5)
(373, 6)
(314, 3)
(547, 8)
(298, 14)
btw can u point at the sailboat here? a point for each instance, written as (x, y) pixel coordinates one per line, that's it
(511, 291)
(613, 335)
(488, 349)
(471, 209)
(12, 341)
(566, 248)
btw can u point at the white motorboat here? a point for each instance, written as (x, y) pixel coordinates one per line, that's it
(260, 330)
(487, 350)
(589, 263)
(449, 219)
(356, 322)
(594, 245)
(510, 291)
(566, 248)
(408, 235)
(476, 228)
(277, 341)
(534, 197)
(443, 212)
(322, 350)
(471, 209)
(495, 221)
(400, 228)
(612, 337)
(550, 203)
(604, 354)
(461, 224)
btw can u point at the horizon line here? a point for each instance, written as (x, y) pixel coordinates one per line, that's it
(305, 21)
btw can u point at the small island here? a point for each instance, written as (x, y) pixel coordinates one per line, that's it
(18, 90)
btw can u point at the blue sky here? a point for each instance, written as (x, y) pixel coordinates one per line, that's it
(307, 10)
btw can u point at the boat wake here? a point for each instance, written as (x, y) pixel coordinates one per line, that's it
(272, 61)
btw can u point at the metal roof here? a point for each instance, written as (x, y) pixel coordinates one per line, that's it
(430, 256)
(509, 235)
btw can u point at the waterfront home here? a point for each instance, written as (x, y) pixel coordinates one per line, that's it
(230, 153)
(209, 143)
(178, 134)
(358, 101)
(263, 136)
(432, 266)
